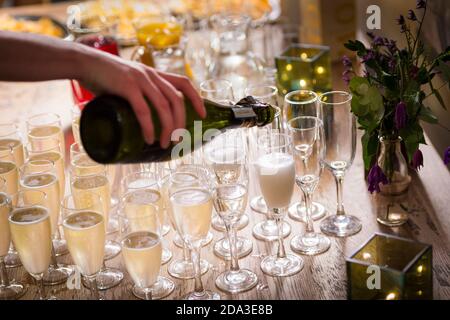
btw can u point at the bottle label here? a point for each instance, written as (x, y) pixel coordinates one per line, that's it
(244, 113)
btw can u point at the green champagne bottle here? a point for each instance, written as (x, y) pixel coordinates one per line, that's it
(110, 131)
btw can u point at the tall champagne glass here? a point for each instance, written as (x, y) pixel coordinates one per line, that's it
(230, 202)
(9, 171)
(276, 175)
(141, 240)
(309, 150)
(10, 137)
(41, 175)
(9, 290)
(181, 268)
(302, 103)
(44, 127)
(192, 213)
(83, 184)
(147, 181)
(30, 228)
(340, 138)
(219, 90)
(85, 232)
(267, 94)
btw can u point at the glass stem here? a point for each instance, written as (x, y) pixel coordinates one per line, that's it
(40, 285)
(199, 290)
(279, 220)
(232, 239)
(93, 286)
(186, 253)
(53, 262)
(308, 202)
(148, 294)
(4, 281)
(339, 177)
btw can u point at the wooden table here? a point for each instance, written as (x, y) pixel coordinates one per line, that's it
(324, 276)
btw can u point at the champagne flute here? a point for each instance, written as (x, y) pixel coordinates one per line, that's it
(10, 172)
(340, 138)
(230, 201)
(302, 103)
(76, 114)
(41, 175)
(191, 213)
(204, 175)
(181, 268)
(44, 127)
(10, 137)
(309, 150)
(219, 90)
(85, 233)
(141, 240)
(152, 195)
(84, 165)
(51, 150)
(267, 94)
(83, 184)
(9, 290)
(30, 228)
(276, 175)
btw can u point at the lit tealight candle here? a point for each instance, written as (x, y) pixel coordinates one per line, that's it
(420, 269)
(320, 70)
(367, 255)
(304, 56)
(288, 67)
(391, 296)
(302, 83)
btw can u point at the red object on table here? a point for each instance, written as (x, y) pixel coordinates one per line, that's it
(100, 42)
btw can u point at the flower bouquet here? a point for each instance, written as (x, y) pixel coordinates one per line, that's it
(389, 101)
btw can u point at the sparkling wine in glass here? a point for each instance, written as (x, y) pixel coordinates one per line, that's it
(192, 212)
(276, 175)
(340, 138)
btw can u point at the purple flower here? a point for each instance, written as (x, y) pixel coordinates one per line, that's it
(447, 156)
(401, 20)
(370, 55)
(401, 115)
(346, 76)
(371, 35)
(346, 61)
(417, 161)
(376, 176)
(421, 4)
(378, 41)
(392, 46)
(412, 15)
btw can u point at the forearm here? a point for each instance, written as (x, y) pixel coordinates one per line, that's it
(26, 57)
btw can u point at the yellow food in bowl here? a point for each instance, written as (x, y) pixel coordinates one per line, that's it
(43, 26)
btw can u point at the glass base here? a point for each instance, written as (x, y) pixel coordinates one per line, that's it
(165, 229)
(340, 225)
(112, 249)
(182, 269)
(161, 289)
(12, 292)
(60, 246)
(281, 267)
(205, 295)
(236, 281)
(58, 275)
(113, 226)
(166, 256)
(217, 223)
(310, 244)
(12, 259)
(268, 230)
(222, 248)
(107, 278)
(297, 211)
(258, 204)
(179, 242)
(392, 214)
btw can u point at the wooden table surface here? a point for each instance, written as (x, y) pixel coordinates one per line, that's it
(324, 276)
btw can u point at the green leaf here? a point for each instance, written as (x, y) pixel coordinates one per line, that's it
(427, 115)
(412, 136)
(356, 45)
(445, 70)
(369, 143)
(438, 96)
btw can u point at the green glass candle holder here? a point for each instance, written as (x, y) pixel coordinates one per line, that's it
(304, 66)
(388, 267)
